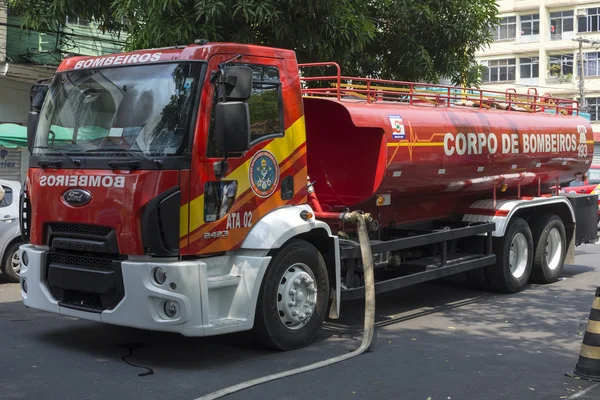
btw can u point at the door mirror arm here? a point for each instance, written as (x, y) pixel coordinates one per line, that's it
(233, 85)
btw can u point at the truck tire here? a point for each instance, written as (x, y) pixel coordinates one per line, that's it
(550, 239)
(11, 265)
(293, 298)
(514, 258)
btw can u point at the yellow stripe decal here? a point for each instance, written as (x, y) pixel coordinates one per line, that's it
(432, 144)
(592, 352)
(593, 327)
(183, 220)
(281, 149)
(416, 144)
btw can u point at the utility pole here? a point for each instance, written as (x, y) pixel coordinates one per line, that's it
(582, 105)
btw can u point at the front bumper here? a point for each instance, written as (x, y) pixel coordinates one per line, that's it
(209, 301)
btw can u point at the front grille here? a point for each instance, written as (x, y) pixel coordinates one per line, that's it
(89, 281)
(61, 227)
(84, 282)
(80, 261)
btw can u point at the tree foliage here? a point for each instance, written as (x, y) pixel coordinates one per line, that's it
(393, 39)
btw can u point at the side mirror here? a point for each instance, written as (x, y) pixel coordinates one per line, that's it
(239, 83)
(37, 95)
(32, 122)
(232, 124)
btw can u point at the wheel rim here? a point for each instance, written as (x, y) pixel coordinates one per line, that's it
(16, 262)
(553, 249)
(296, 296)
(517, 259)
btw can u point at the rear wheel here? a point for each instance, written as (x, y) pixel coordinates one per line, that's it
(293, 299)
(550, 240)
(11, 264)
(514, 258)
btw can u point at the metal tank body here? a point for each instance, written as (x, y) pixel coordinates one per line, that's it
(435, 161)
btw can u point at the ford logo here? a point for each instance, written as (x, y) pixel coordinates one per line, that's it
(77, 197)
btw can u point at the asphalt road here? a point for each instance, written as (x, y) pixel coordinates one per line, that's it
(439, 340)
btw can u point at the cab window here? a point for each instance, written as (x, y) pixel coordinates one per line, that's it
(265, 105)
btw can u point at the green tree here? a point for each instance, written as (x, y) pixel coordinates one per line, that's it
(427, 40)
(392, 39)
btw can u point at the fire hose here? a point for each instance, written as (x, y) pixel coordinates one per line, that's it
(369, 322)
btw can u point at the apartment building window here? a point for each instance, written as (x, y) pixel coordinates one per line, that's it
(499, 70)
(529, 67)
(590, 22)
(561, 65)
(507, 30)
(561, 25)
(592, 64)
(530, 27)
(593, 106)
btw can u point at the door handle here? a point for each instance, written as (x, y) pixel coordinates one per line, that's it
(7, 218)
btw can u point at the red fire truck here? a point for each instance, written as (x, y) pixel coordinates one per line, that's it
(206, 189)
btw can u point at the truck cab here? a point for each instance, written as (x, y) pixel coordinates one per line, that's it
(148, 171)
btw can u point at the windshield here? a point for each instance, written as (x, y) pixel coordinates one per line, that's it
(145, 109)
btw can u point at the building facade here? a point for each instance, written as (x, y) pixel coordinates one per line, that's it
(25, 57)
(536, 46)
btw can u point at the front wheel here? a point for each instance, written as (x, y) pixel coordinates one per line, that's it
(293, 299)
(11, 264)
(514, 258)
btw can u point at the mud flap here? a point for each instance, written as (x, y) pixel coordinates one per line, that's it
(586, 217)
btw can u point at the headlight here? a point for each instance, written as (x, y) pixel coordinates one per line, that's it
(160, 275)
(171, 308)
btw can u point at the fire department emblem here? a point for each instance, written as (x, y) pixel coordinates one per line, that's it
(397, 127)
(264, 173)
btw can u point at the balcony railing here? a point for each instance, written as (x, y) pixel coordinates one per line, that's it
(554, 80)
(562, 36)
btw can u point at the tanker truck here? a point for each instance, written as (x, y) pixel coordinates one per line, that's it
(214, 187)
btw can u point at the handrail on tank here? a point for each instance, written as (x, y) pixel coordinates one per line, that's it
(324, 64)
(377, 90)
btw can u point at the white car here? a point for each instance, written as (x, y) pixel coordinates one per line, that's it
(10, 232)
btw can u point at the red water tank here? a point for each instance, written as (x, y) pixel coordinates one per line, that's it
(434, 160)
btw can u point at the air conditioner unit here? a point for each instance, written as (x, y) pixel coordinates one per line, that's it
(581, 12)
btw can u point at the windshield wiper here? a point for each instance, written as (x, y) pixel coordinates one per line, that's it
(127, 164)
(56, 163)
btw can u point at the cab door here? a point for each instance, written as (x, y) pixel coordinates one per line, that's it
(271, 174)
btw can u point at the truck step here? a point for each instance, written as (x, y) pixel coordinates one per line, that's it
(220, 281)
(453, 266)
(226, 322)
(431, 263)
